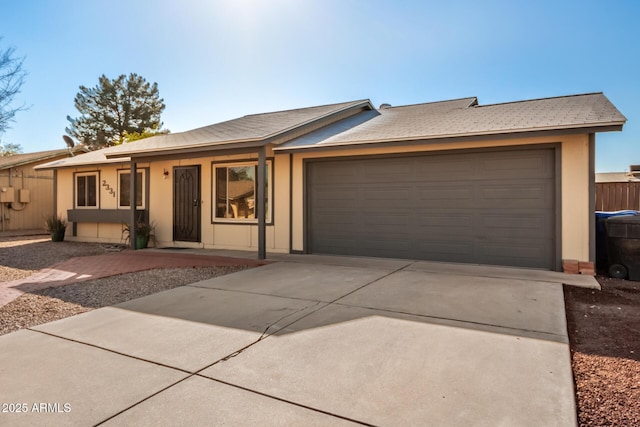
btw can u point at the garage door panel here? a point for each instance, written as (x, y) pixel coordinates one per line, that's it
(529, 195)
(489, 208)
(332, 173)
(524, 164)
(337, 219)
(515, 226)
(447, 168)
(446, 252)
(398, 221)
(337, 245)
(371, 195)
(380, 246)
(435, 193)
(389, 170)
(510, 254)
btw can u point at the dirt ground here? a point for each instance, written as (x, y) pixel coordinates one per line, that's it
(604, 331)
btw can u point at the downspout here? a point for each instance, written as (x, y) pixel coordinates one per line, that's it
(592, 197)
(132, 204)
(261, 202)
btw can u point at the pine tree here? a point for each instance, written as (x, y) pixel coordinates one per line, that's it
(115, 108)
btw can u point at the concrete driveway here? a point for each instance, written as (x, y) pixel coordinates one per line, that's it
(308, 340)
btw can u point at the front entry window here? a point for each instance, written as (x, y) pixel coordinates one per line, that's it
(235, 192)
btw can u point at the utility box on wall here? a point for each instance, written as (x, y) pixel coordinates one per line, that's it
(24, 196)
(7, 195)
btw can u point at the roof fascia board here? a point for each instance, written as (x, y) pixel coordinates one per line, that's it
(146, 158)
(79, 165)
(469, 138)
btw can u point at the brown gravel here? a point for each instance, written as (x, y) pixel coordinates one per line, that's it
(21, 256)
(604, 331)
(57, 303)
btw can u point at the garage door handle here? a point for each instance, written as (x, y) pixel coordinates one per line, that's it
(196, 203)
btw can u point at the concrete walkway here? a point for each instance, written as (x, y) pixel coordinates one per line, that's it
(305, 341)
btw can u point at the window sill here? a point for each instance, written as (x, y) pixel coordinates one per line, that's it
(237, 222)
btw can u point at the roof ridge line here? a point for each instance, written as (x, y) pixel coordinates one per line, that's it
(474, 98)
(541, 99)
(306, 108)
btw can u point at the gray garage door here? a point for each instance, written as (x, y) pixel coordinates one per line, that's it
(494, 207)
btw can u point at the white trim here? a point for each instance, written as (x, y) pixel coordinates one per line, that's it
(75, 189)
(143, 190)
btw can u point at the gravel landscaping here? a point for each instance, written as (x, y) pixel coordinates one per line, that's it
(20, 257)
(604, 331)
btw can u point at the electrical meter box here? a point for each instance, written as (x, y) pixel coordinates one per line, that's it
(24, 195)
(7, 195)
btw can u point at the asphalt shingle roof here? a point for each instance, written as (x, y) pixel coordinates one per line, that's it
(464, 117)
(254, 127)
(16, 160)
(445, 119)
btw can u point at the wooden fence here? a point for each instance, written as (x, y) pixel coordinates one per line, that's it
(27, 216)
(617, 196)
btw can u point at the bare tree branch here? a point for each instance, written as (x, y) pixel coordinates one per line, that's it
(12, 77)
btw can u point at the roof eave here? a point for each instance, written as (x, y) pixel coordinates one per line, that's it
(49, 166)
(37, 159)
(224, 145)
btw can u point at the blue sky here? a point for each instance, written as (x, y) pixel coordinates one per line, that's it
(216, 60)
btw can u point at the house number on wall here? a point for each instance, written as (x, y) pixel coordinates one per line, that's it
(108, 187)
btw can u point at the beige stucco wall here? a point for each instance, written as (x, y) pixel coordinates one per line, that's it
(574, 184)
(214, 235)
(107, 181)
(574, 181)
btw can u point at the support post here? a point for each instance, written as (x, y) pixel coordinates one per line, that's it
(592, 197)
(261, 184)
(55, 192)
(132, 202)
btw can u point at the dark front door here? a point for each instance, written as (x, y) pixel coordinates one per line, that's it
(186, 203)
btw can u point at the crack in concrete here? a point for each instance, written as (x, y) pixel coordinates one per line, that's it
(349, 293)
(264, 335)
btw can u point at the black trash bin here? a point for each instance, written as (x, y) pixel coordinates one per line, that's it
(602, 257)
(623, 244)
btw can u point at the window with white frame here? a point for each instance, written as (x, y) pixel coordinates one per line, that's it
(124, 189)
(235, 192)
(86, 190)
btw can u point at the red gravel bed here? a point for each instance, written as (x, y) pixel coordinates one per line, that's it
(604, 332)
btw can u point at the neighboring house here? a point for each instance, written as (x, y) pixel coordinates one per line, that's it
(26, 194)
(506, 184)
(617, 191)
